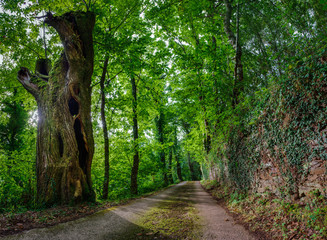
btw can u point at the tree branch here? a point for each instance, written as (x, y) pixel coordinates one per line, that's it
(39, 17)
(34, 51)
(87, 6)
(24, 77)
(125, 18)
(109, 78)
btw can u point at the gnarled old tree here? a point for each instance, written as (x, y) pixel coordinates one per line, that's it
(65, 143)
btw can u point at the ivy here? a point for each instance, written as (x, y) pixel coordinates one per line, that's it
(288, 132)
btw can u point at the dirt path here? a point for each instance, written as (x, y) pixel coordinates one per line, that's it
(143, 218)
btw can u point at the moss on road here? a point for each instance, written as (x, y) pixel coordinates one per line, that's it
(175, 218)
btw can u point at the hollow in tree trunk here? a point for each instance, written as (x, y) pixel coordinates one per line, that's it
(65, 143)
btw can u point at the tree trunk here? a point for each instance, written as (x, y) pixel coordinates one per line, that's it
(179, 167)
(207, 137)
(170, 161)
(193, 177)
(65, 143)
(187, 131)
(178, 163)
(234, 40)
(136, 160)
(105, 131)
(160, 126)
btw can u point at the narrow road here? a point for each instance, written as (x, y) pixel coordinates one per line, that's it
(123, 223)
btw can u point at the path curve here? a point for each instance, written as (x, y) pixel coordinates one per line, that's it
(120, 223)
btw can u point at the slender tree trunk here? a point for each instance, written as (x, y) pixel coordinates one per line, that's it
(191, 166)
(136, 159)
(11, 132)
(206, 135)
(207, 140)
(105, 131)
(65, 143)
(234, 40)
(160, 126)
(178, 163)
(163, 162)
(170, 161)
(199, 67)
(179, 167)
(202, 172)
(187, 130)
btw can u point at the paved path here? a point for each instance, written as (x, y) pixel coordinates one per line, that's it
(217, 223)
(120, 223)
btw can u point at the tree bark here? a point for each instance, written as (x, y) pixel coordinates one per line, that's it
(170, 161)
(193, 177)
(105, 131)
(136, 159)
(187, 131)
(65, 144)
(179, 167)
(178, 163)
(160, 126)
(234, 40)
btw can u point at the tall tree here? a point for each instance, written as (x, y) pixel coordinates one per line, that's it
(177, 157)
(105, 130)
(11, 131)
(235, 42)
(169, 167)
(65, 140)
(160, 129)
(136, 157)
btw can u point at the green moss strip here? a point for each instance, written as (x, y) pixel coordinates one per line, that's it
(174, 219)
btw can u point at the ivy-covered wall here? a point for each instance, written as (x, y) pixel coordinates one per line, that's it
(281, 144)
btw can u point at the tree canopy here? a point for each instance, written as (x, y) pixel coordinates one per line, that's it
(181, 90)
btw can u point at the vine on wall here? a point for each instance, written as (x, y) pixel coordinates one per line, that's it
(289, 133)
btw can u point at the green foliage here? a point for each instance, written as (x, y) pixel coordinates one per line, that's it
(239, 169)
(288, 128)
(183, 63)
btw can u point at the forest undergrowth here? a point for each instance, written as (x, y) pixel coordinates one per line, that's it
(278, 218)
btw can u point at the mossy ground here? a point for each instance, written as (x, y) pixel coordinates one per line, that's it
(173, 219)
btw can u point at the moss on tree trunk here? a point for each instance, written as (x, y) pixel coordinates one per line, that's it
(65, 142)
